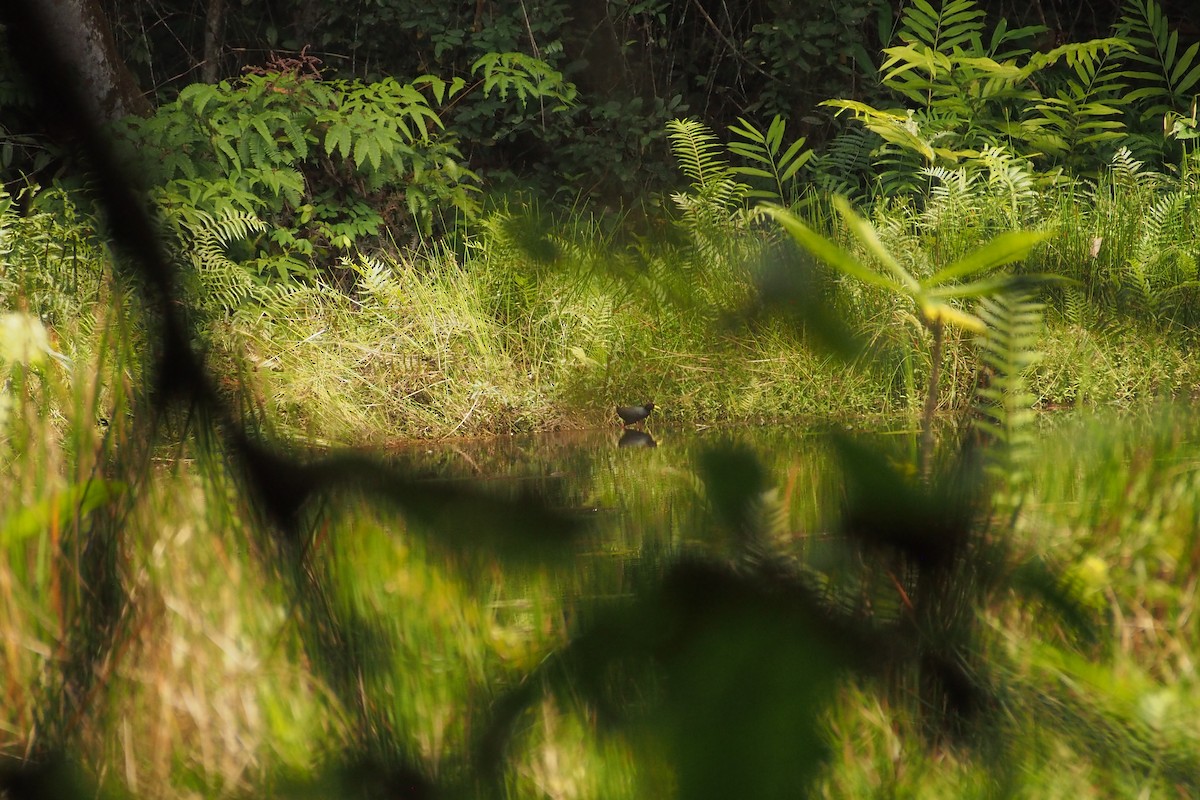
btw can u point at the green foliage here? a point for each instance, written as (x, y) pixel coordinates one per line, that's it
(49, 257)
(807, 52)
(1165, 77)
(845, 167)
(305, 154)
(1131, 244)
(530, 79)
(1160, 276)
(778, 166)
(714, 206)
(1084, 111)
(967, 93)
(996, 192)
(933, 296)
(1007, 350)
(698, 152)
(294, 169)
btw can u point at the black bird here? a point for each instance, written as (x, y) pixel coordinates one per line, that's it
(632, 415)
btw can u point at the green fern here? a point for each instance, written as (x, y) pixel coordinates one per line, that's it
(715, 206)
(1160, 275)
(205, 239)
(843, 166)
(957, 24)
(526, 77)
(1077, 310)
(1085, 110)
(996, 191)
(1129, 172)
(301, 153)
(954, 197)
(1010, 179)
(1135, 290)
(898, 170)
(778, 165)
(1168, 78)
(1004, 403)
(698, 151)
(970, 96)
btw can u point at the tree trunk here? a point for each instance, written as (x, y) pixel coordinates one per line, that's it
(78, 30)
(214, 40)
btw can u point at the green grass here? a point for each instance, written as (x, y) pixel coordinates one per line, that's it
(225, 674)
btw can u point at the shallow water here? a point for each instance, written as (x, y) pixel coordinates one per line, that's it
(643, 488)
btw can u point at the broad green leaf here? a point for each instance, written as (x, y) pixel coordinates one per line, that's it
(795, 167)
(775, 133)
(791, 162)
(1004, 249)
(80, 498)
(824, 249)
(747, 131)
(753, 172)
(748, 153)
(1184, 82)
(338, 138)
(865, 233)
(989, 286)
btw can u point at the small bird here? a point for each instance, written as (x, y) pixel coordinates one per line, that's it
(632, 415)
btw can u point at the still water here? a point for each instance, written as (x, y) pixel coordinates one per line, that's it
(641, 490)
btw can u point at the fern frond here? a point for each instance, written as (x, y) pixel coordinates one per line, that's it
(1004, 404)
(206, 239)
(1125, 169)
(1086, 108)
(698, 152)
(1169, 78)
(1076, 308)
(770, 161)
(842, 167)
(714, 207)
(958, 23)
(1135, 290)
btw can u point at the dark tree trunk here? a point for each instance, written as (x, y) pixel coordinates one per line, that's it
(214, 41)
(596, 42)
(79, 30)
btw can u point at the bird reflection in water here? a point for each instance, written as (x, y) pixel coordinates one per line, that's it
(635, 438)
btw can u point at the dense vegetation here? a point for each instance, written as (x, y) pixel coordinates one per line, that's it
(928, 216)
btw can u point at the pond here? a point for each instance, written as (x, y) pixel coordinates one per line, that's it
(642, 491)
(390, 637)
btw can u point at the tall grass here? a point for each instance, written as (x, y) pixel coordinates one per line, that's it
(441, 344)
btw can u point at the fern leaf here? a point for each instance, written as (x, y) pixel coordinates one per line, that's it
(1169, 76)
(697, 150)
(1007, 350)
(764, 149)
